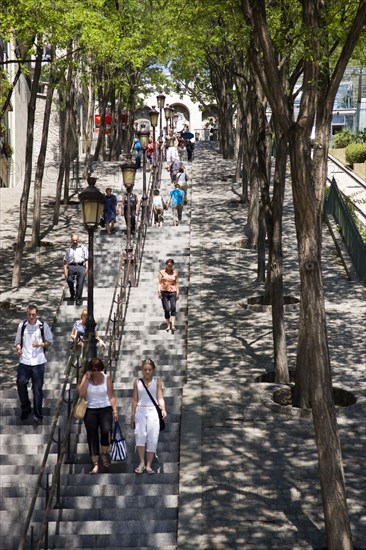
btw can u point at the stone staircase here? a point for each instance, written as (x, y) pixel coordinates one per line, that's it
(119, 509)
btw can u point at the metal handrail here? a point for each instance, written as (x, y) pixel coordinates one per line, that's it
(60, 402)
(116, 318)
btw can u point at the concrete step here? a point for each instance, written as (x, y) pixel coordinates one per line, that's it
(103, 484)
(21, 459)
(82, 465)
(124, 540)
(157, 512)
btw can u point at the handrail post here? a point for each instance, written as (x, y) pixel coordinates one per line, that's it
(68, 452)
(47, 498)
(58, 490)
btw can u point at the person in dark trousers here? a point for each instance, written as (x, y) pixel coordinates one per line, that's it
(97, 388)
(189, 148)
(32, 339)
(110, 210)
(168, 292)
(75, 268)
(134, 207)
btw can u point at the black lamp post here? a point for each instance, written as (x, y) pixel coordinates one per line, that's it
(175, 119)
(161, 102)
(128, 174)
(168, 114)
(92, 203)
(143, 136)
(172, 116)
(153, 115)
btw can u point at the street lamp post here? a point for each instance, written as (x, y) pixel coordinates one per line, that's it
(168, 114)
(175, 119)
(172, 117)
(92, 203)
(128, 169)
(161, 102)
(143, 136)
(124, 122)
(153, 115)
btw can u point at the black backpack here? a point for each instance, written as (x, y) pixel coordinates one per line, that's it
(41, 326)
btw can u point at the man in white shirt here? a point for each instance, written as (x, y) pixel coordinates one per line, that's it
(76, 267)
(32, 339)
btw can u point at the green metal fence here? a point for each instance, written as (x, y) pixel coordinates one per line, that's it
(335, 206)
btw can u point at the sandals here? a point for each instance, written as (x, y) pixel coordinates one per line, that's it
(140, 469)
(95, 469)
(150, 471)
(106, 462)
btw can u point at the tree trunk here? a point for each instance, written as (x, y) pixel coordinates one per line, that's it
(275, 266)
(253, 211)
(23, 208)
(222, 83)
(41, 160)
(241, 171)
(89, 128)
(67, 138)
(61, 169)
(99, 152)
(313, 375)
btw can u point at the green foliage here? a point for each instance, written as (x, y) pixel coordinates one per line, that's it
(360, 137)
(351, 209)
(356, 152)
(343, 138)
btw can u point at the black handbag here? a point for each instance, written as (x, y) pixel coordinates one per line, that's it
(160, 414)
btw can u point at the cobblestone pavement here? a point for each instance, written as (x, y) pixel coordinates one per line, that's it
(249, 474)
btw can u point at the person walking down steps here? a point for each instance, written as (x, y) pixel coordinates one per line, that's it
(97, 388)
(147, 398)
(32, 339)
(75, 268)
(168, 292)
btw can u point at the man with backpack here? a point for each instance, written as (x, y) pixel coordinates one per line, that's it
(32, 339)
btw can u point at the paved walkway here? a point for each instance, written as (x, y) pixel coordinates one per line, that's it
(248, 469)
(248, 476)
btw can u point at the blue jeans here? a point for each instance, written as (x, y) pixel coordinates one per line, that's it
(36, 374)
(169, 300)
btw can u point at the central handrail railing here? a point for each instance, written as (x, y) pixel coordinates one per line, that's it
(113, 334)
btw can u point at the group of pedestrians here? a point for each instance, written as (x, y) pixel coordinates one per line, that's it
(34, 336)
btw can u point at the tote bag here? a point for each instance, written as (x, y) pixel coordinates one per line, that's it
(119, 448)
(80, 408)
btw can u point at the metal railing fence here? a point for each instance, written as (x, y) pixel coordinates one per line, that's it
(336, 206)
(113, 336)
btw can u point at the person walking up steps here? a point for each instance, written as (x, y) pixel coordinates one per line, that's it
(176, 199)
(168, 292)
(158, 208)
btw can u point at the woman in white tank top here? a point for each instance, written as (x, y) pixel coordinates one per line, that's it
(97, 388)
(144, 417)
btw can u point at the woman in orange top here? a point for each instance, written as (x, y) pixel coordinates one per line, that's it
(168, 290)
